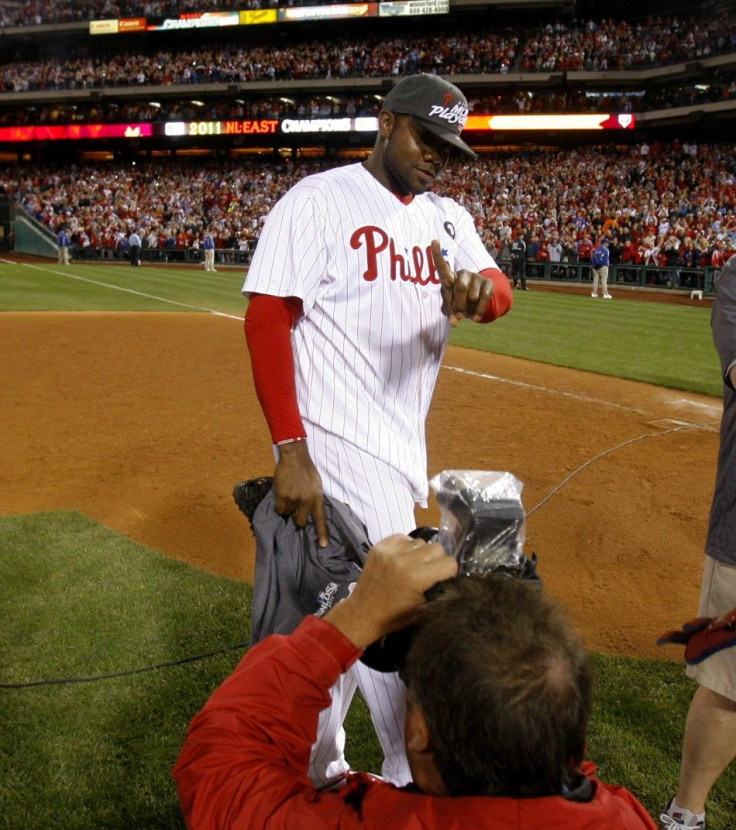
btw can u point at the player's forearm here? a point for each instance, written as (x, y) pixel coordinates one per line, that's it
(268, 323)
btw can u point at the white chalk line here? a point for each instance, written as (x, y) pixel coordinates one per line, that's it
(537, 388)
(523, 384)
(69, 276)
(589, 399)
(696, 404)
(715, 409)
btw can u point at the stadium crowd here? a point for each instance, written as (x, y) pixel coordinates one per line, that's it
(658, 205)
(600, 44)
(522, 101)
(617, 44)
(458, 52)
(594, 46)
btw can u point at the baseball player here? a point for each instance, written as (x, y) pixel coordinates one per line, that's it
(356, 280)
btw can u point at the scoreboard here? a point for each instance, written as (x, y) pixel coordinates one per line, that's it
(304, 126)
(201, 128)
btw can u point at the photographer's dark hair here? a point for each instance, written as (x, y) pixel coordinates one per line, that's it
(505, 687)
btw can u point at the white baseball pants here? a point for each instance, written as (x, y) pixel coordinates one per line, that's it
(382, 498)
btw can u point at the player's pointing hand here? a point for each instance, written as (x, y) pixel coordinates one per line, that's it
(464, 293)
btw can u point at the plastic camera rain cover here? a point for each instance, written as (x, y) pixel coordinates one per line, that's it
(481, 520)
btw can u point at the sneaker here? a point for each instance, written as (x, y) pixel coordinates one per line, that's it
(607, 297)
(594, 295)
(676, 820)
(666, 822)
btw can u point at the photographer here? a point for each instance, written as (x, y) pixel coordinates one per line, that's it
(498, 703)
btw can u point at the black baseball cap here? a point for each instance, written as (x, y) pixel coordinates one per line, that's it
(435, 103)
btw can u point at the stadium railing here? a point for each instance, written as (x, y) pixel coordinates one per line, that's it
(673, 277)
(667, 278)
(223, 256)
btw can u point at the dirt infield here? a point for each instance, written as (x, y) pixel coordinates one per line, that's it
(144, 422)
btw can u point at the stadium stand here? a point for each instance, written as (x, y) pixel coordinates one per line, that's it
(646, 205)
(662, 191)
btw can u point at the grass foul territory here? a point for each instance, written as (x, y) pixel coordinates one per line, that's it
(109, 649)
(78, 603)
(660, 343)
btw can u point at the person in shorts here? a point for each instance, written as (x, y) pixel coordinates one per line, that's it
(710, 731)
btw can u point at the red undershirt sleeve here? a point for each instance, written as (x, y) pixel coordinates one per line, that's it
(268, 324)
(502, 298)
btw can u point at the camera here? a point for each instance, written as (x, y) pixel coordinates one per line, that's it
(482, 525)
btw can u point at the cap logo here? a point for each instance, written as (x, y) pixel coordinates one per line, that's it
(457, 114)
(436, 103)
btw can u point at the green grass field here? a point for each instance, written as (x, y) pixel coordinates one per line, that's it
(46, 286)
(660, 343)
(79, 601)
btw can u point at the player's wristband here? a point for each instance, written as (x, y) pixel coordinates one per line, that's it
(290, 441)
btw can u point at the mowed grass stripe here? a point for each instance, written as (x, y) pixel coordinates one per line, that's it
(660, 343)
(118, 287)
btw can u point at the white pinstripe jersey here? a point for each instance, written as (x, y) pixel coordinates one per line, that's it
(368, 348)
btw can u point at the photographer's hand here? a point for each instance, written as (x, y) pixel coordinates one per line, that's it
(396, 575)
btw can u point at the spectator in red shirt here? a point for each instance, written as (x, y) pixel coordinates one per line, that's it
(718, 257)
(628, 253)
(585, 249)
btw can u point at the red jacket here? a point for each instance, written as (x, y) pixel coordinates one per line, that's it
(244, 762)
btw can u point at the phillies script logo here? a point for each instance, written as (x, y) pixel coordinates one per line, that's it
(380, 247)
